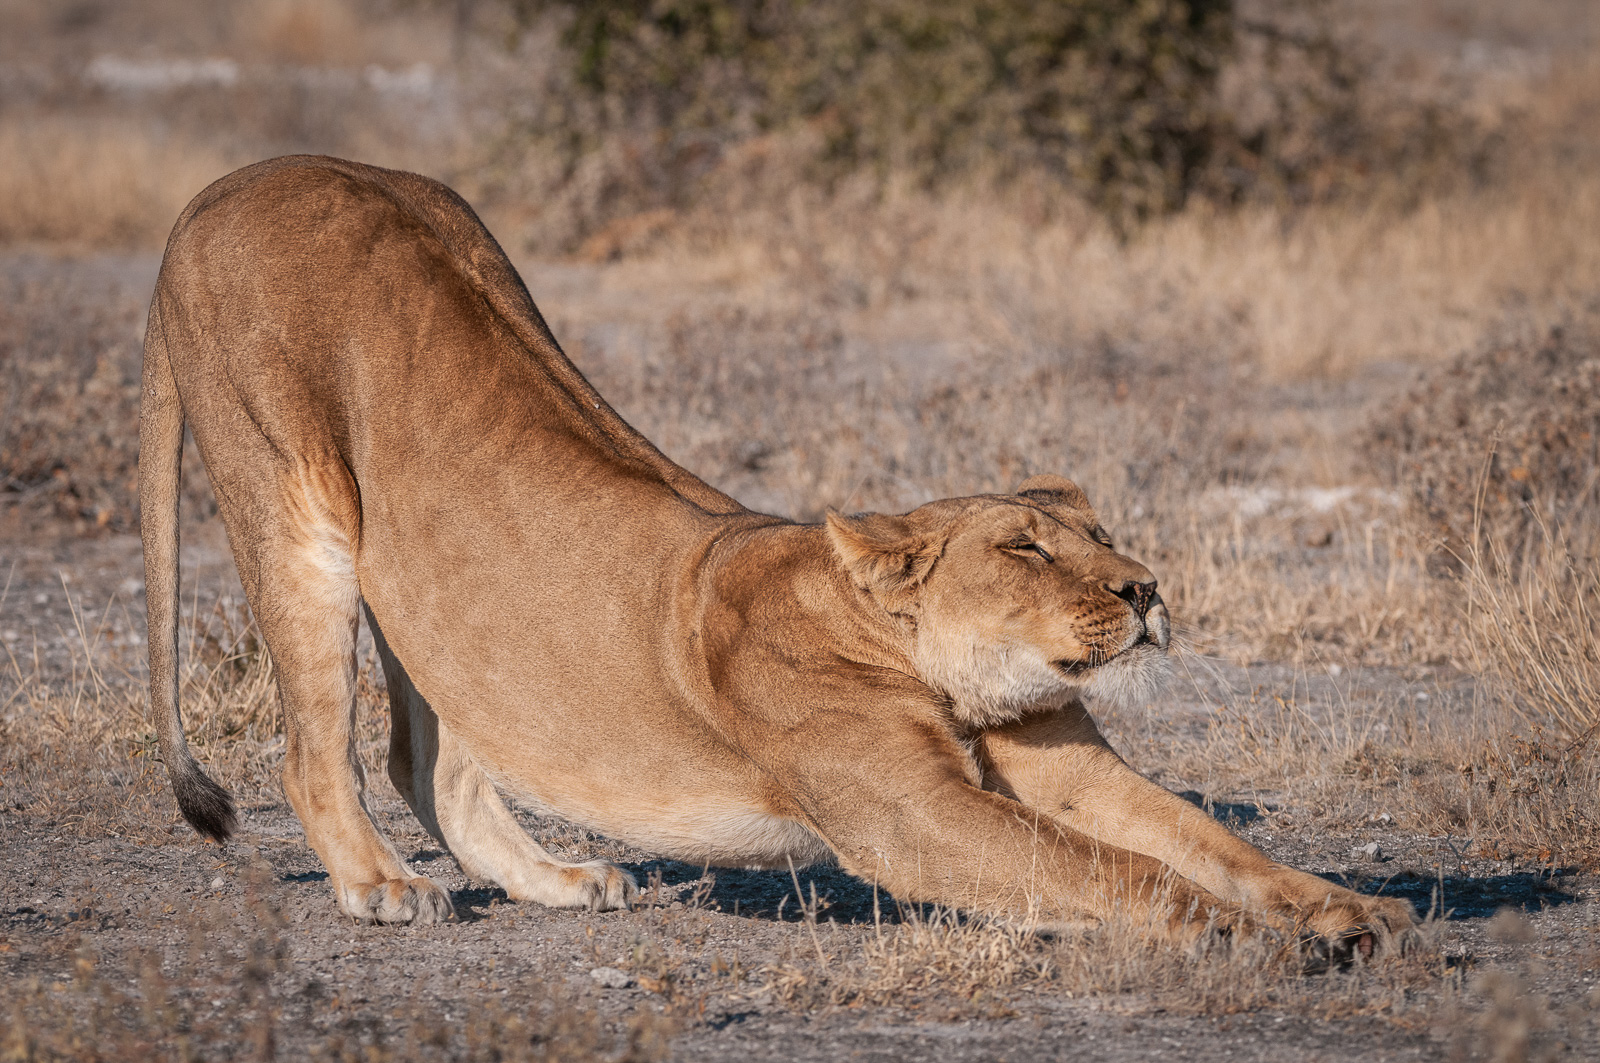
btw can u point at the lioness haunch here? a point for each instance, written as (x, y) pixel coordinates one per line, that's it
(564, 613)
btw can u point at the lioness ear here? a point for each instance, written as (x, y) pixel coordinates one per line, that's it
(1052, 489)
(884, 555)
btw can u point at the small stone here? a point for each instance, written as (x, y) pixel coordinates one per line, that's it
(1371, 852)
(610, 978)
(217, 883)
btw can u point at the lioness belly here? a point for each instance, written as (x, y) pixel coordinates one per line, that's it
(729, 834)
(722, 831)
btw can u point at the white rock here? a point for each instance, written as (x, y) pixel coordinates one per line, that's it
(1371, 852)
(217, 883)
(611, 978)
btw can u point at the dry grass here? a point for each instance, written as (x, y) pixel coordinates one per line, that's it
(1300, 292)
(225, 998)
(1222, 382)
(973, 967)
(1453, 765)
(90, 731)
(78, 755)
(89, 182)
(1533, 626)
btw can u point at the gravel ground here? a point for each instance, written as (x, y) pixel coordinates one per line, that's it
(696, 957)
(244, 941)
(62, 896)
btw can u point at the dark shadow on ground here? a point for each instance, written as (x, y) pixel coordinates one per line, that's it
(770, 895)
(842, 898)
(1233, 813)
(767, 895)
(474, 904)
(1457, 897)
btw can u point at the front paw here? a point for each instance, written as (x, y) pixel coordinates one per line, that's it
(1348, 925)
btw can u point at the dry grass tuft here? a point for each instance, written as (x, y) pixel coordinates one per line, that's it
(229, 997)
(1497, 456)
(1497, 451)
(925, 952)
(81, 752)
(98, 182)
(982, 967)
(1534, 626)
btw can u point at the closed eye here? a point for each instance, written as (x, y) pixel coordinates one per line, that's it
(1026, 546)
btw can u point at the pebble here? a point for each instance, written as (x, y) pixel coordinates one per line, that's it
(611, 978)
(217, 883)
(1371, 852)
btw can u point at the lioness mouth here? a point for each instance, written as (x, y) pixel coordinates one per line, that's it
(1082, 668)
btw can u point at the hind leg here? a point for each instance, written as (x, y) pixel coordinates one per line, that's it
(458, 805)
(303, 593)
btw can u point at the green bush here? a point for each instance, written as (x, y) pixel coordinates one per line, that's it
(1134, 106)
(1116, 98)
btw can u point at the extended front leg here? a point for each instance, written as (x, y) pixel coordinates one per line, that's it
(1059, 763)
(900, 810)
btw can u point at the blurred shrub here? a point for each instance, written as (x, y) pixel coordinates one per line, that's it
(1501, 450)
(1133, 106)
(1116, 97)
(1498, 456)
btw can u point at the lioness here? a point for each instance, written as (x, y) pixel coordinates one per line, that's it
(563, 612)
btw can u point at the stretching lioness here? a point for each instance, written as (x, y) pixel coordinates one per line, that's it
(564, 613)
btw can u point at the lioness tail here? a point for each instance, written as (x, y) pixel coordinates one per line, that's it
(207, 806)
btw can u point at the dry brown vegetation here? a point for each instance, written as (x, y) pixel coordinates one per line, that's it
(1351, 420)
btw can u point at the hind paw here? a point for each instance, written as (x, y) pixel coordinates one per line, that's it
(598, 886)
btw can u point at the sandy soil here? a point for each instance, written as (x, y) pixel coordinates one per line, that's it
(248, 945)
(695, 951)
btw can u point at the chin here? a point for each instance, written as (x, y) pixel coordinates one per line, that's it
(1132, 679)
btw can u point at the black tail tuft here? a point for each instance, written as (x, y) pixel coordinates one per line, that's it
(207, 806)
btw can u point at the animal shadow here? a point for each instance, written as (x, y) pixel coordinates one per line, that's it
(766, 895)
(1462, 897)
(1232, 813)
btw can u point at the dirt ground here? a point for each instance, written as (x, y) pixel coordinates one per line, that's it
(1350, 425)
(122, 935)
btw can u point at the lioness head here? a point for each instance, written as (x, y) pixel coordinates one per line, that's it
(1018, 601)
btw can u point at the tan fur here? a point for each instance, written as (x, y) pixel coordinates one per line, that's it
(565, 614)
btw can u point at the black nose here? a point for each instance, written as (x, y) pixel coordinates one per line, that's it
(1139, 595)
